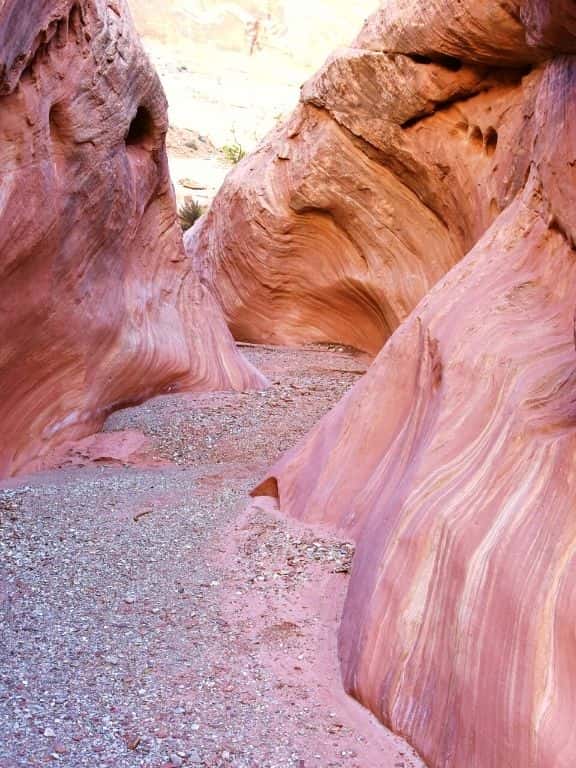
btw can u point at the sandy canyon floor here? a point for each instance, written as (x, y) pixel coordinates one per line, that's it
(153, 616)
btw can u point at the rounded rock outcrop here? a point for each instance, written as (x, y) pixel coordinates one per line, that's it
(99, 305)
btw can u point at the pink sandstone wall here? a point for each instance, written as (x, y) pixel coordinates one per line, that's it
(99, 305)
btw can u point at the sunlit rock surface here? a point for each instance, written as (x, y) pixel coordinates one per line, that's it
(452, 461)
(99, 305)
(403, 151)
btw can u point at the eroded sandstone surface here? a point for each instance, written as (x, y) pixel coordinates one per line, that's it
(99, 305)
(404, 149)
(452, 461)
(447, 129)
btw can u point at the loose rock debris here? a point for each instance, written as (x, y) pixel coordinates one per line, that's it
(153, 617)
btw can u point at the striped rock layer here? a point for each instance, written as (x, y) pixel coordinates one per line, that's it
(452, 462)
(99, 305)
(403, 150)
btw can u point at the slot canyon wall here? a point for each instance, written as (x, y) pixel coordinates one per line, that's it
(99, 305)
(425, 189)
(403, 150)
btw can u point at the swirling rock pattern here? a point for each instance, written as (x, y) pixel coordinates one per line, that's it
(403, 150)
(452, 461)
(99, 305)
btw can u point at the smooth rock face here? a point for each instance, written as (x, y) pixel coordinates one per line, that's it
(452, 461)
(403, 151)
(99, 305)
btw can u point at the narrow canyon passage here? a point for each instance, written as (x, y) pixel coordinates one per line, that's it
(149, 618)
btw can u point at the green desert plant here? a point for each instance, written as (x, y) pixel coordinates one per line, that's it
(189, 213)
(234, 152)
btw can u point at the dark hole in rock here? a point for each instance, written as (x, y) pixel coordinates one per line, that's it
(141, 129)
(420, 59)
(450, 62)
(476, 137)
(58, 123)
(491, 141)
(412, 121)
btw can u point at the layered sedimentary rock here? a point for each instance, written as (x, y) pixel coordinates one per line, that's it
(404, 149)
(99, 305)
(452, 461)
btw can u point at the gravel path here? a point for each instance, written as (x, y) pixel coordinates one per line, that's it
(151, 618)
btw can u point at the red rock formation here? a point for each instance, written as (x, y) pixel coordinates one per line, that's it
(452, 461)
(350, 213)
(99, 305)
